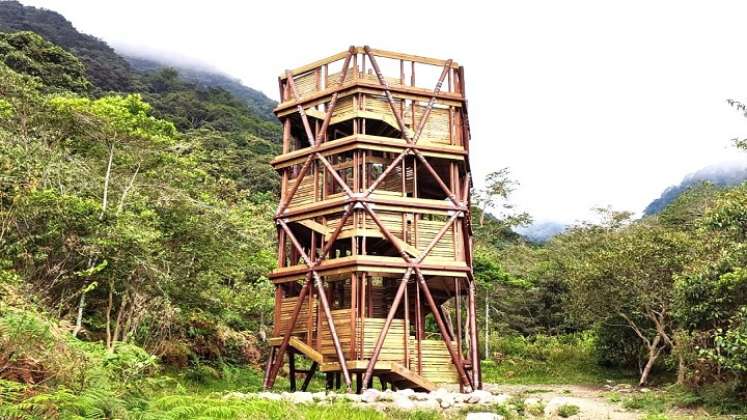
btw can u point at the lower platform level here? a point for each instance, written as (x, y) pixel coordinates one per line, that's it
(390, 373)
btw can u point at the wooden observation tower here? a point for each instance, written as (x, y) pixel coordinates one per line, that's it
(374, 274)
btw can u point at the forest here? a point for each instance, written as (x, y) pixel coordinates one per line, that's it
(136, 233)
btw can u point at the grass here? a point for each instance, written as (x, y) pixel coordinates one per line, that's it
(544, 360)
(187, 406)
(710, 400)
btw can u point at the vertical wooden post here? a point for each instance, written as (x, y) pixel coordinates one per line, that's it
(419, 327)
(292, 370)
(353, 312)
(406, 309)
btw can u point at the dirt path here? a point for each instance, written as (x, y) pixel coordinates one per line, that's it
(590, 400)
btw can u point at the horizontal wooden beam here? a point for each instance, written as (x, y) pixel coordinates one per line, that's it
(336, 205)
(368, 142)
(423, 94)
(445, 268)
(316, 227)
(376, 52)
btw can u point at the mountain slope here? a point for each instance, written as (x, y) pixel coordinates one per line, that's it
(724, 174)
(256, 100)
(105, 68)
(108, 70)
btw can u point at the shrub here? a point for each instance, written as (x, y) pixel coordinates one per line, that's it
(568, 410)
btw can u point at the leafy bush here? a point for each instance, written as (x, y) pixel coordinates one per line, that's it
(568, 410)
(548, 359)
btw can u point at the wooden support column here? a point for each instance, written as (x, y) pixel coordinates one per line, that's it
(292, 370)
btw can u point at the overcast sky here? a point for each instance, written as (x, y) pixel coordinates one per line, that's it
(589, 103)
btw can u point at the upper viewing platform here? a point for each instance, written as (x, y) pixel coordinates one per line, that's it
(370, 97)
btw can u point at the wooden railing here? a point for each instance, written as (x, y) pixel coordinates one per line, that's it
(406, 72)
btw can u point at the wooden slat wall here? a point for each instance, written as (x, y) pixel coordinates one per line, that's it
(305, 193)
(427, 230)
(343, 108)
(393, 349)
(344, 329)
(436, 129)
(286, 310)
(437, 365)
(306, 83)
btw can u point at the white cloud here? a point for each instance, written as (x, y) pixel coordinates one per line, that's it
(590, 103)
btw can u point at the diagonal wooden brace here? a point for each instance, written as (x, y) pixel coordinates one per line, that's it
(322, 299)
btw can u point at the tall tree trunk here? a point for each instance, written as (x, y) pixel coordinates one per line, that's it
(105, 199)
(487, 325)
(653, 353)
(681, 369)
(126, 191)
(118, 322)
(109, 318)
(79, 318)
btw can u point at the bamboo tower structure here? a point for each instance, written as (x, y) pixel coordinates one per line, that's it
(374, 274)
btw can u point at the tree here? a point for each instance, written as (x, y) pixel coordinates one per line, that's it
(628, 272)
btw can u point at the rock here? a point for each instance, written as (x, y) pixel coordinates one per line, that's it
(420, 396)
(446, 403)
(499, 399)
(350, 397)
(321, 396)
(644, 390)
(484, 416)
(402, 402)
(407, 392)
(298, 397)
(428, 404)
(272, 396)
(460, 398)
(237, 395)
(479, 395)
(387, 395)
(531, 401)
(370, 395)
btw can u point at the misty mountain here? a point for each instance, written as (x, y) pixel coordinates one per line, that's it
(724, 174)
(104, 67)
(541, 232)
(108, 70)
(256, 100)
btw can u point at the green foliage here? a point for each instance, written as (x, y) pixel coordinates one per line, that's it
(730, 349)
(192, 107)
(107, 70)
(617, 345)
(110, 210)
(28, 53)
(568, 359)
(568, 410)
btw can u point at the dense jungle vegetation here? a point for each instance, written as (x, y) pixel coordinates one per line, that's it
(136, 232)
